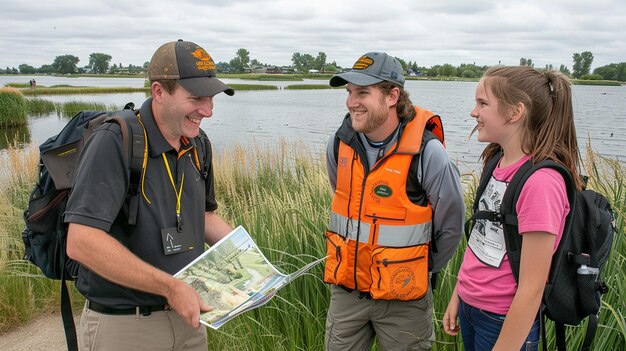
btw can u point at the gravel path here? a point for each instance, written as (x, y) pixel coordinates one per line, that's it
(42, 334)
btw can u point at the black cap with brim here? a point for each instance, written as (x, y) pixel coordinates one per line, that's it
(205, 86)
(354, 77)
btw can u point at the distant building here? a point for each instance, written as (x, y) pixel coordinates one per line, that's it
(273, 70)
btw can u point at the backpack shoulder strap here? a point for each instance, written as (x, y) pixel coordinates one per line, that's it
(203, 153)
(485, 176)
(135, 146)
(512, 238)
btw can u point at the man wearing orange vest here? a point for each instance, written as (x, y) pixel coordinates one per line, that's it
(396, 216)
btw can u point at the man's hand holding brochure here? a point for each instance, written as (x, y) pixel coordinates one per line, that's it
(233, 277)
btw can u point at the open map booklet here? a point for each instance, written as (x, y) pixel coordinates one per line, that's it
(233, 277)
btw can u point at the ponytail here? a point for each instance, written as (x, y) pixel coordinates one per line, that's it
(556, 139)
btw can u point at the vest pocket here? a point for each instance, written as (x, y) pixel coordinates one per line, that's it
(336, 250)
(392, 214)
(399, 273)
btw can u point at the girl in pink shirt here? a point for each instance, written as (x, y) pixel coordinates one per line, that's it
(523, 114)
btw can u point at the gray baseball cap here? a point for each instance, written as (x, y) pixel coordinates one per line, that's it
(191, 65)
(371, 68)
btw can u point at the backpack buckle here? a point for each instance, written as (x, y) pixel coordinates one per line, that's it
(496, 217)
(603, 288)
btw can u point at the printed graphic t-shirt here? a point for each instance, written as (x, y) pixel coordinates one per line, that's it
(485, 279)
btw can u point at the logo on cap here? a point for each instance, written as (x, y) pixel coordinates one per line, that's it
(363, 62)
(205, 62)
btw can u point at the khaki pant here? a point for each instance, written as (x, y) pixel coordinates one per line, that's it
(353, 322)
(163, 330)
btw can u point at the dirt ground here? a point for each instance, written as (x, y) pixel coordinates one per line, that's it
(42, 334)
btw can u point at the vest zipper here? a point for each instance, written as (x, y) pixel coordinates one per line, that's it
(58, 198)
(358, 232)
(387, 262)
(374, 218)
(337, 255)
(375, 231)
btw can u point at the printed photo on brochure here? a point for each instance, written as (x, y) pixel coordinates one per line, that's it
(234, 276)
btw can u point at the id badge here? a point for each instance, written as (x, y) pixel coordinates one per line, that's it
(175, 241)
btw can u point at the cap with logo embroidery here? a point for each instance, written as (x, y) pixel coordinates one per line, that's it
(191, 65)
(371, 68)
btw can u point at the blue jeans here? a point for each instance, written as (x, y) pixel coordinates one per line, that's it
(480, 329)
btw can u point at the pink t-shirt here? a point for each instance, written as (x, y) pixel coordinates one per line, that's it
(485, 279)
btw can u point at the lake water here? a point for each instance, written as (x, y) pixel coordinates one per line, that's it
(313, 116)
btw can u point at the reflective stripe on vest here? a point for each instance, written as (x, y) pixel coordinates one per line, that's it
(388, 235)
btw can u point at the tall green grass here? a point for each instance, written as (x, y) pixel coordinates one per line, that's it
(268, 77)
(18, 85)
(281, 195)
(70, 108)
(23, 295)
(73, 90)
(37, 106)
(595, 82)
(253, 87)
(12, 107)
(307, 86)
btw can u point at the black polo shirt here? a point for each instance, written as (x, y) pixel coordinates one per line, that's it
(98, 199)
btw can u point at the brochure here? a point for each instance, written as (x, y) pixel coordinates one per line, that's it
(233, 277)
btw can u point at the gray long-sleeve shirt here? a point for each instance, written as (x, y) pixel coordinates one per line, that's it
(439, 178)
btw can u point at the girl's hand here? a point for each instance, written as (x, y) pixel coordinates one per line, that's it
(450, 325)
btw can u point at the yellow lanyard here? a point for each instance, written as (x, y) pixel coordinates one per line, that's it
(178, 193)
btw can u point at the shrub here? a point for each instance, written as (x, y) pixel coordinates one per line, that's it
(468, 73)
(591, 77)
(12, 107)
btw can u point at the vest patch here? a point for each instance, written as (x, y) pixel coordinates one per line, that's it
(379, 190)
(402, 282)
(382, 190)
(343, 162)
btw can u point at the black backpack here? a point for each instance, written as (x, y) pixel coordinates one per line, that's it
(45, 234)
(574, 288)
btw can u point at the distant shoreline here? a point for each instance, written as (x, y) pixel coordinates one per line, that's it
(296, 77)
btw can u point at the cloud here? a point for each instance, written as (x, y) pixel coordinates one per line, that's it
(437, 32)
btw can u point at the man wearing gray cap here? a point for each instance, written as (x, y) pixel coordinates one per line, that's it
(133, 301)
(396, 214)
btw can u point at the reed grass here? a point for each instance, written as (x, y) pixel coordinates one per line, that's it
(18, 85)
(70, 108)
(37, 106)
(12, 107)
(601, 82)
(307, 86)
(248, 87)
(72, 90)
(269, 77)
(281, 195)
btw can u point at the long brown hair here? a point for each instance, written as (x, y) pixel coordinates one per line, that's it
(548, 131)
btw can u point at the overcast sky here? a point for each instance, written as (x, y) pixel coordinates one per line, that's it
(429, 32)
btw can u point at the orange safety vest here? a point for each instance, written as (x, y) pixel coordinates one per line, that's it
(378, 240)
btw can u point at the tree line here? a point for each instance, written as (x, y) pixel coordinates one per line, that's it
(100, 63)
